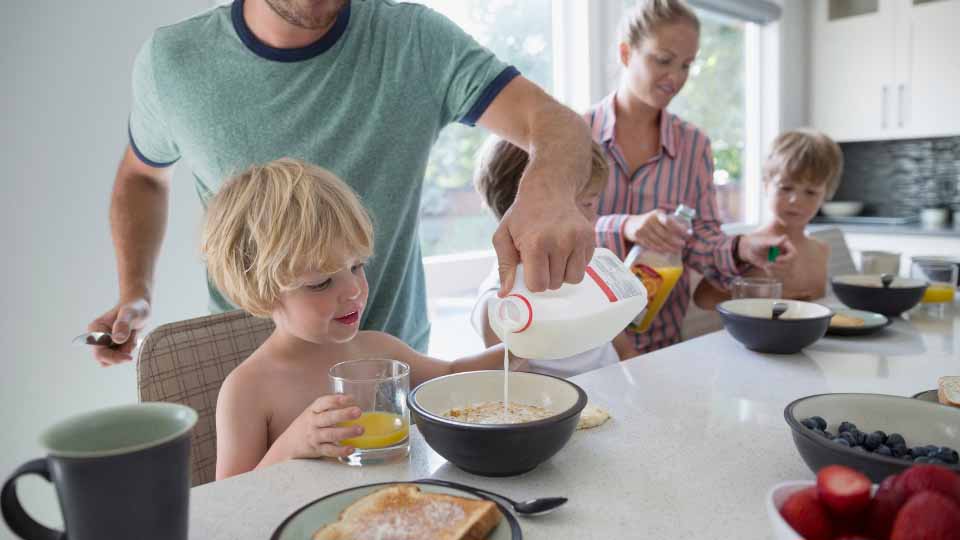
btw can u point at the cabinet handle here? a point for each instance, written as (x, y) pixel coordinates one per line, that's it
(900, 105)
(883, 106)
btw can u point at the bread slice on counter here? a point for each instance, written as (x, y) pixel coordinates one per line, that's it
(948, 391)
(404, 512)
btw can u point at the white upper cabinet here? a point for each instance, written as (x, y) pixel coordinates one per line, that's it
(885, 69)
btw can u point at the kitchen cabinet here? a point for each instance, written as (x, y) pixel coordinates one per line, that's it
(885, 69)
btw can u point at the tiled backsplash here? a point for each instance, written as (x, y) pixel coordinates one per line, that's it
(898, 178)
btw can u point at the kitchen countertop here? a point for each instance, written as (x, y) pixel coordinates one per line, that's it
(910, 229)
(696, 440)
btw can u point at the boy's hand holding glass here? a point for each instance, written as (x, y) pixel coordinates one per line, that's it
(315, 433)
(655, 230)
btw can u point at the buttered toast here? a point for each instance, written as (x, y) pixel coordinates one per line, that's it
(948, 391)
(404, 512)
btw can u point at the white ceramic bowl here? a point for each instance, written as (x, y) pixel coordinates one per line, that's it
(841, 208)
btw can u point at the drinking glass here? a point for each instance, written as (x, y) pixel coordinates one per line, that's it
(942, 277)
(379, 386)
(749, 287)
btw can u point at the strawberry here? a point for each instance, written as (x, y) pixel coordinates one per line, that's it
(804, 512)
(884, 507)
(844, 491)
(928, 515)
(929, 478)
(852, 537)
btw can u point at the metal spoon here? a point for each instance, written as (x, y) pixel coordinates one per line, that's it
(779, 309)
(531, 507)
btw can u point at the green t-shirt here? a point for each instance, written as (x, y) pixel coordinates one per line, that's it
(366, 101)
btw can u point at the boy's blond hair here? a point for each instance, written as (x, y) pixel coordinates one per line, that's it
(272, 223)
(501, 164)
(805, 156)
(648, 15)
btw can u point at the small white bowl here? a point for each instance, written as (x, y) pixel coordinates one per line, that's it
(778, 495)
(841, 208)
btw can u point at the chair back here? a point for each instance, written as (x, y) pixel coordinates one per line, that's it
(186, 362)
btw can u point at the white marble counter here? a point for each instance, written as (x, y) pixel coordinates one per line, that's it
(697, 438)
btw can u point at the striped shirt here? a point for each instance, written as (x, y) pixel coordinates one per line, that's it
(681, 173)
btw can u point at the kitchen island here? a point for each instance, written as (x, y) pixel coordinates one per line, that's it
(696, 439)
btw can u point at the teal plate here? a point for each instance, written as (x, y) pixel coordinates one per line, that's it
(302, 524)
(872, 322)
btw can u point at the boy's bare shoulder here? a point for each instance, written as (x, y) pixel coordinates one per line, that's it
(370, 342)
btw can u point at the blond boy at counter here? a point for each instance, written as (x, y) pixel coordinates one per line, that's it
(288, 240)
(497, 178)
(801, 172)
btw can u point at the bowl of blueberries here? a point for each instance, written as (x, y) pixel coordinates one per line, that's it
(876, 434)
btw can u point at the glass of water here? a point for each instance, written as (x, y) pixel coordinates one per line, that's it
(750, 287)
(379, 386)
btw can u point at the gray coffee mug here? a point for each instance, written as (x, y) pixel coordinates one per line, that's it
(121, 472)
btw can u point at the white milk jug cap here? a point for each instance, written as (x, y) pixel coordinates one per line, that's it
(514, 313)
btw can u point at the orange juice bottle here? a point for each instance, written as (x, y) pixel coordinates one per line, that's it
(659, 272)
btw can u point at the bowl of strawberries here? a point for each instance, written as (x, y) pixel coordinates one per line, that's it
(920, 503)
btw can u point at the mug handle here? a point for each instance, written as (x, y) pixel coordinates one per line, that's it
(17, 519)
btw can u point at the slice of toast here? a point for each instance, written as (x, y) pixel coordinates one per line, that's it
(948, 390)
(404, 512)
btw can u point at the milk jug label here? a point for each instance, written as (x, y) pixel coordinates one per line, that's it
(607, 272)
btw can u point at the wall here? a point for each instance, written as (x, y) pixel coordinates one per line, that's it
(64, 103)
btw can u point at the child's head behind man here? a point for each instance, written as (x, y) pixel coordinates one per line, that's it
(802, 170)
(288, 240)
(501, 166)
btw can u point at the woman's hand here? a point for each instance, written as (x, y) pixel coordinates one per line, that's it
(754, 248)
(314, 433)
(655, 230)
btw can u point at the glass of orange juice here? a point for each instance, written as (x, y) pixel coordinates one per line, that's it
(379, 386)
(942, 276)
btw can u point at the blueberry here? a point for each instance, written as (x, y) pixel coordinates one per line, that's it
(882, 435)
(946, 455)
(931, 448)
(918, 451)
(842, 441)
(849, 437)
(900, 450)
(821, 423)
(883, 450)
(921, 459)
(873, 441)
(809, 423)
(846, 426)
(895, 439)
(861, 437)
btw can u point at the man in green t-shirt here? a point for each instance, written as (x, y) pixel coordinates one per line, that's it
(359, 87)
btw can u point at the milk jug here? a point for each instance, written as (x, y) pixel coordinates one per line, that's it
(572, 319)
(658, 272)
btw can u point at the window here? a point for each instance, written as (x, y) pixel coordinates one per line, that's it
(714, 100)
(453, 219)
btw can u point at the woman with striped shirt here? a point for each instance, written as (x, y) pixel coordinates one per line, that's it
(658, 162)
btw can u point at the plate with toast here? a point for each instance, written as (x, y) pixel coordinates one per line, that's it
(856, 322)
(946, 393)
(400, 511)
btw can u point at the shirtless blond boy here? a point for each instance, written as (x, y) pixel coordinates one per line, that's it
(288, 240)
(802, 170)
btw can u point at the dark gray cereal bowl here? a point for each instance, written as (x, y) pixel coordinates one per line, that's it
(496, 449)
(920, 422)
(866, 292)
(750, 321)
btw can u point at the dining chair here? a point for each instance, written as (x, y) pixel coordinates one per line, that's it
(186, 362)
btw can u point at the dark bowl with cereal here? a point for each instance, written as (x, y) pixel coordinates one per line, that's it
(461, 417)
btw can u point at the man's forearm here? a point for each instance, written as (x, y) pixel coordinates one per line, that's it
(559, 151)
(138, 217)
